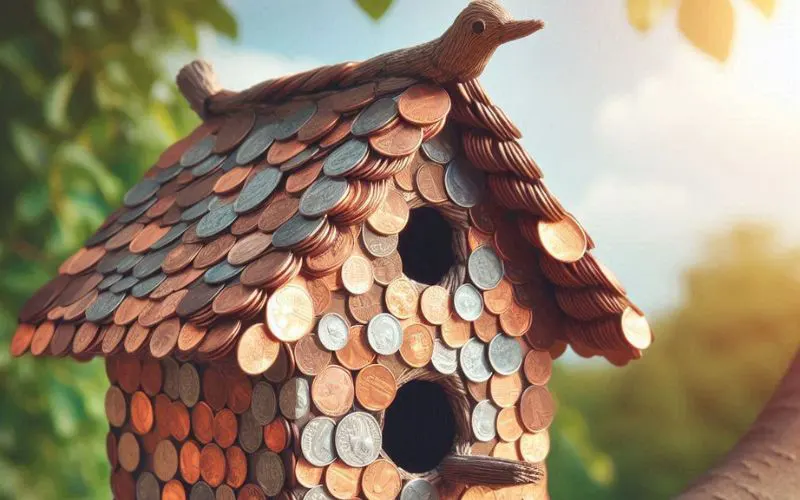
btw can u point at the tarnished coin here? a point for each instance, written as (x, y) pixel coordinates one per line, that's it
(384, 334)
(296, 230)
(317, 493)
(147, 487)
(358, 439)
(464, 183)
(483, 420)
(505, 354)
(419, 489)
(294, 399)
(140, 192)
(468, 302)
(381, 481)
(357, 353)
(474, 361)
(102, 307)
(323, 195)
(259, 140)
(332, 331)
(257, 189)
(289, 125)
(485, 268)
(375, 116)
(216, 221)
(264, 403)
(345, 158)
(198, 151)
(269, 472)
(441, 148)
(316, 441)
(378, 245)
(290, 313)
(444, 359)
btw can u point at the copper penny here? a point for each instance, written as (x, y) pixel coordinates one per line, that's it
(257, 350)
(85, 337)
(417, 347)
(203, 422)
(22, 339)
(214, 251)
(310, 355)
(129, 373)
(232, 180)
(536, 408)
(455, 332)
(334, 256)
(516, 320)
(147, 237)
(225, 428)
(509, 426)
(129, 310)
(180, 257)
(424, 104)
(381, 481)
(290, 313)
(151, 377)
(320, 296)
(173, 490)
(323, 121)
(83, 259)
(391, 216)
(141, 413)
(136, 337)
(435, 305)
(401, 139)
(235, 467)
(506, 450)
(212, 465)
(128, 451)
(215, 387)
(41, 338)
(179, 421)
(563, 240)
(357, 275)
(116, 406)
(189, 460)
(478, 390)
(308, 475)
(165, 460)
(249, 248)
(299, 180)
(402, 298)
(430, 182)
(538, 367)
(376, 387)
(486, 326)
(505, 389)
(499, 299)
(332, 391)
(165, 338)
(279, 209)
(234, 299)
(233, 130)
(342, 481)
(364, 307)
(534, 447)
(387, 269)
(277, 435)
(190, 337)
(357, 353)
(240, 392)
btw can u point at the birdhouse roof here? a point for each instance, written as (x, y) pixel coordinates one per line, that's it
(275, 184)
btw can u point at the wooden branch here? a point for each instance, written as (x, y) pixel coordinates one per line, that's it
(764, 463)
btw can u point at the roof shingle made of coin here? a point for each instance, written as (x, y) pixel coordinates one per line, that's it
(258, 195)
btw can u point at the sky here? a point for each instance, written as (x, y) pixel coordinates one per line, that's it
(651, 144)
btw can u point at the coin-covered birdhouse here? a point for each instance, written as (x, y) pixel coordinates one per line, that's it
(345, 283)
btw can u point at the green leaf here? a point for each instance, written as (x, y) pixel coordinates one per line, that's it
(221, 19)
(29, 144)
(374, 8)
(78, 157)
(642, 14)
(183, 27)
(13, 58)
(767, 7)
(52, 14)
(709, 25)
(56, 100)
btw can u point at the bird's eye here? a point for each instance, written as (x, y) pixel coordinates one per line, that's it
(478, 27)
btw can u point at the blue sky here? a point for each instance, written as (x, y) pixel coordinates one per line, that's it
(650, 143)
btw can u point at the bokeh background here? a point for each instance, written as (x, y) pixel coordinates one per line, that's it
(670, 127)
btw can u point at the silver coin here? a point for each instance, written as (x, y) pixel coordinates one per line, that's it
(198, 151)
(216, 221)
(505, 354)
(222, 272)
(259, 140)
(167, 174)
(358, 439)
(474, 362)
(317, 493)
(188, 384)
(257, 189)
(269, 472)
(201, 491)
(289, 125)
(151, 263)
(294, 399)
(147, 487)
(102, 307)
(484, 416)
(442, 147)
(485, 268)
(345, 158)
(384, 334)
(251, 434)
(140, 192)
(444, 359)
(170, 368)
(419, 489)
(134, 213)
(197, 210)
(333, 331)
(378, 245)
(299, 159)
(173, 234)
(375, 116)
(264, 403)
(208, 165)
(143, 288)
(295, 230)
(464, 183)
(468, 302)
(316, 441)
(321, 196)
(123, 285)
(109, 281)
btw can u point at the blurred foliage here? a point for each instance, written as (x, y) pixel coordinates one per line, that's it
(87, 106)
(666, 419)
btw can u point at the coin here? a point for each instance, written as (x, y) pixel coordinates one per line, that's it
(455, 332)
(375, 116)
(308, 475)
(504, 390)
(464, 183)
(534, 447)
(257, 350)
(538, 367)
(345, 158)
(333, 391)
(483, 420)
(332, 330)
(430, 182)
(294, 399)
(317, 493)
(536, 408)
(505, 354)
(364, 307)
(375, 387)
(290, 313)
(322, 196)
(381, 481)
(402, 298)
(485, 268)
(517, 320)
(317, 441)
(474, 361)
(311, 356)
(435, 304)
(357, 275)
(391, 216)
(564, 240)
(342, 481)
(264, 403)
(258, 141)
(378, 245)
(358, 439)
(357, 353)
(399, 140)
(419, 489)
(417, 347)
(424, 104)
(384, 334)
(444, 359)
(468, 302)
(509, 426)
(268, 472)
(296, 230)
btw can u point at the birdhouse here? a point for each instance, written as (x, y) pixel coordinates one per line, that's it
(348, 282)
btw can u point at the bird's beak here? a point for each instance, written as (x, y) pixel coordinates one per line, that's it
(513, 30)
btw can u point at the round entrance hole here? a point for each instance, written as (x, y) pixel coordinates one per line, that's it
(426, 246)
(419, 426)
